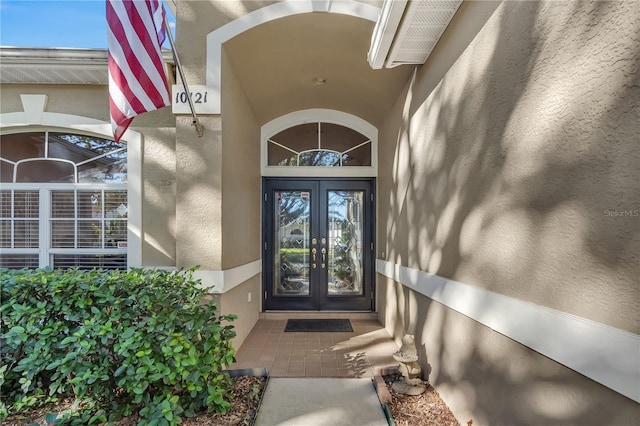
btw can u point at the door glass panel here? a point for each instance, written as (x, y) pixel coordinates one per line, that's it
(292, 228)
(345, 251)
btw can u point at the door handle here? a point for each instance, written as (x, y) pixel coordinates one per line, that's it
(323, 241)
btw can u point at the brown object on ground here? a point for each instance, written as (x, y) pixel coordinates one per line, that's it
(427, 409)
(381, 389)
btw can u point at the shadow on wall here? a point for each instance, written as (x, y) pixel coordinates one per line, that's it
(529, 173)
(487, 377)
(424, 361)
(519, 174)
(159, 195)
(181, 174)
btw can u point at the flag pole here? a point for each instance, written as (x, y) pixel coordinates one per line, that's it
(196, 121)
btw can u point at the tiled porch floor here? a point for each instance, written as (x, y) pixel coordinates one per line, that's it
(354, 354)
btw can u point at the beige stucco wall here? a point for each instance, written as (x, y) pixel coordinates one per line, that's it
(241, 206)
(199, 197)
(159, 189)
(199, 169)
(219, 209)
(195, 19)
(509, 172)
(241, 177)
(86, 101)
(236, 302)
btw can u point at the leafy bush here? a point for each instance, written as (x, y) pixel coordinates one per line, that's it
(136, 341)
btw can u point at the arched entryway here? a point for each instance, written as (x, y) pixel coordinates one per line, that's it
(314, 64)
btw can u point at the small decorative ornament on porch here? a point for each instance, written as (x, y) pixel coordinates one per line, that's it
(407, 356)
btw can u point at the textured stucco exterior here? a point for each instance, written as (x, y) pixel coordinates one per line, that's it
(241, 206)
(486, 377)
(241, 179)
(200, 239)
(236, 302)
(196, 19)
(517, 172)
(89, 101)
(199, 197)
(509, 162)
(159, 187)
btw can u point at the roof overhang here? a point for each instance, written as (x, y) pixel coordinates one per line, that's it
(407, 31)
(24, 65)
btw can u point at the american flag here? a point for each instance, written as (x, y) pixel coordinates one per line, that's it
(137, 79)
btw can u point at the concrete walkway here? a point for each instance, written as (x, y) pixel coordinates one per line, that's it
(319, 402)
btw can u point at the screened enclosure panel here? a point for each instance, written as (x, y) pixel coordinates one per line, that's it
(61, 157)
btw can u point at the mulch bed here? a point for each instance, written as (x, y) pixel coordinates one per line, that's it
(245, 395)
(427, 409)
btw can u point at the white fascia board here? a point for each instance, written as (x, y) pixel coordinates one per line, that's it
(385, 31)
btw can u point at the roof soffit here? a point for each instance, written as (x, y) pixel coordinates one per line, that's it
(277, 62)
(19, 65)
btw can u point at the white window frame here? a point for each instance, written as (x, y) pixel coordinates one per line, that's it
(34, 118)
(44, 250)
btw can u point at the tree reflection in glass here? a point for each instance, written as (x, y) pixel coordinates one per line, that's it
(345, 242)
(292, 229)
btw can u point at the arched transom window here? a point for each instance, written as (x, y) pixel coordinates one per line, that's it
(319, 142)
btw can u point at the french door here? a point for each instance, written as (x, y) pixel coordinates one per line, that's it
(318, 244)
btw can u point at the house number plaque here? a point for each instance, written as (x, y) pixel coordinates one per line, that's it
(201, 96)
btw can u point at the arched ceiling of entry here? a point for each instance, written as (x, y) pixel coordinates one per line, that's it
(277, 62)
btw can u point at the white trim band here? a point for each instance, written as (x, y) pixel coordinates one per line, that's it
(605, 354)
(218, 282)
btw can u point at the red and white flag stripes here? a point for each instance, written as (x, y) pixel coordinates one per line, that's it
(137, 78)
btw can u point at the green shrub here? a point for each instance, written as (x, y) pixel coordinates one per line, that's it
(136, 341)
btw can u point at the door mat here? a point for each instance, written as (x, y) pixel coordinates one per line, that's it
(311, 325)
